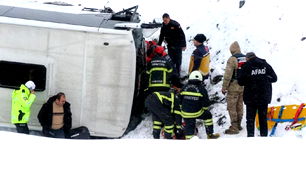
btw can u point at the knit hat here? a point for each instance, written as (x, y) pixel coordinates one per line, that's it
(30, 85)
(250, 55)
(200, 38)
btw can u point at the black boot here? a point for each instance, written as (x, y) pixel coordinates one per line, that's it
(210, 132)
(156, 134)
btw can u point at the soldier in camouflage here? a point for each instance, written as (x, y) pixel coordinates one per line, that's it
(234, 91)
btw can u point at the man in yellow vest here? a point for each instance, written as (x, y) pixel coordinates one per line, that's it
(22, 99)
(200, 57)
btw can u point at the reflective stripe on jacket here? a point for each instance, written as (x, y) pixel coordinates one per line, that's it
(194, 99)
(160, 72)
(167, 100)
(171, 101)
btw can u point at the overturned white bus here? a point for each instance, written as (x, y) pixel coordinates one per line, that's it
(95, 59)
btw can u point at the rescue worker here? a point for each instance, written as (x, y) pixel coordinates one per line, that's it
(150, 46)
(160, 72)
(195, 102)
(22, 100)
(166, 114)
(256, 77)
(172, 33)
(55, 119)
(200, 57)
(234, 97)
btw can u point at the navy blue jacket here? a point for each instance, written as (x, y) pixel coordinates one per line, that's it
(256, 77)
(191, 103)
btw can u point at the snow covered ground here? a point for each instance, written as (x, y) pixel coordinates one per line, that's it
(273, 29)
(29, 153)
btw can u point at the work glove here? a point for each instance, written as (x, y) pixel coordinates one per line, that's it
(20, 116)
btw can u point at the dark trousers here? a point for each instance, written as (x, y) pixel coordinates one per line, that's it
(79, 133)
(191, 124)
(262, 116)
(161, 117)
(76, 133)
(22, 128)
(59, 133)
(175, 54)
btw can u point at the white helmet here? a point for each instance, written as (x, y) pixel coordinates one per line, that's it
(30, 85)
(195, 75)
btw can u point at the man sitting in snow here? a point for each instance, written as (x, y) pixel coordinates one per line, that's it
(165, 110)
(55, 119)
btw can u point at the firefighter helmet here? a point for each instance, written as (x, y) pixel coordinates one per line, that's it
(195, 75)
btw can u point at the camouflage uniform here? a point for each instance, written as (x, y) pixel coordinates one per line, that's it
(234, 91)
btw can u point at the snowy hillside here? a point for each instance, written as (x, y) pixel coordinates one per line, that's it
(275, 30)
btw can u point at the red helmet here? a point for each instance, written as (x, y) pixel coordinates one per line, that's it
(154, 49)
(160, 50)
(150, 44)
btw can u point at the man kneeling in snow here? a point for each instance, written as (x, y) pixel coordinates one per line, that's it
(165, 109)
(55, 119)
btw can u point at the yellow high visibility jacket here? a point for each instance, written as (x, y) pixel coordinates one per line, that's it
(200, 60)
(22, 100)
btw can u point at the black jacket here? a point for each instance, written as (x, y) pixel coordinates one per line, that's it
(256, 76)
(191, 103)
(45, 115)
(173, 34)
(161, 74)
(175, 109)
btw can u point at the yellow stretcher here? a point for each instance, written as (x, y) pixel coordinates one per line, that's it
(290, 113)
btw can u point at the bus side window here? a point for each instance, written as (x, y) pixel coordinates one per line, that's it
(13, 74)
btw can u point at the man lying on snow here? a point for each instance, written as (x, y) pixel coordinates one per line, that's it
(55, 119)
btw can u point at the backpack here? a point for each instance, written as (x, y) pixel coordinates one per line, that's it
(241, 60)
